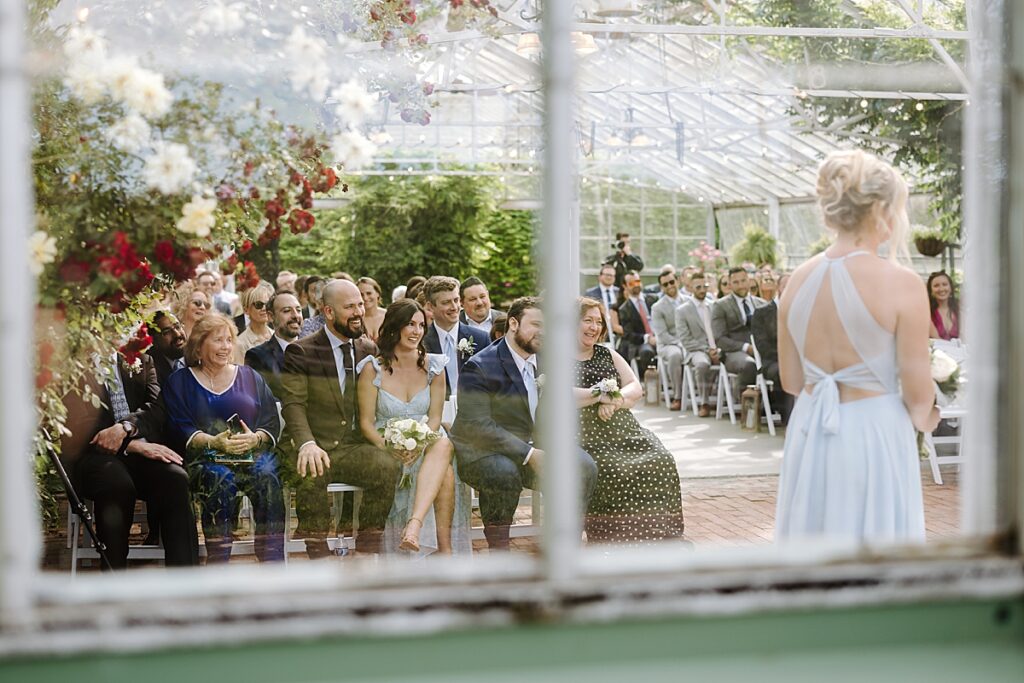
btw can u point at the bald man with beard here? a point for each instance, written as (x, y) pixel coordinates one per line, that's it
(322, 421)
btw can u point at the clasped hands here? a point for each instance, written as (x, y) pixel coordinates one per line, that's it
(607, 406)
(236, 444)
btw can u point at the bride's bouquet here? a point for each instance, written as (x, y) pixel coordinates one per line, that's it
(607, 387)
(946, 375)
(407, 434)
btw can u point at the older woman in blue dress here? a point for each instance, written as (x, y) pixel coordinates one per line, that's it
(405, 381)
(226, 418)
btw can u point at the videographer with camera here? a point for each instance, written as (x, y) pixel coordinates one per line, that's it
(623, 260)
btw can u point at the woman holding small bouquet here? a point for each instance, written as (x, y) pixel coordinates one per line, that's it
(638, 496)
(401, 396)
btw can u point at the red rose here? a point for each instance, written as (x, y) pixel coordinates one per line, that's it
(75, 270)
(246, 247)
(163, 251)
(300, 221)
(248, 168)
(43, 377)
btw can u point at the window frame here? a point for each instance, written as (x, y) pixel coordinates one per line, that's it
(42, 612)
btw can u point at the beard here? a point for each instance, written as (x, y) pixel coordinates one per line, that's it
(346, 331)
(531, 345)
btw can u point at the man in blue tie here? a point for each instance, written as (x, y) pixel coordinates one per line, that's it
(494, 430)
(730, 322)
(458, 341)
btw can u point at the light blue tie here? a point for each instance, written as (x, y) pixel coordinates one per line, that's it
(531, 389)
(453, 363)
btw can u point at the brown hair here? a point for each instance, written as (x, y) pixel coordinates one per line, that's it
(398, 315)
(203, 329)
(585, 303)
(439, 284)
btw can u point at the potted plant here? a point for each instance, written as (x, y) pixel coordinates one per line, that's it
(757, 246)
(929, 240)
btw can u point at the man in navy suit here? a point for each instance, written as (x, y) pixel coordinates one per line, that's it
(446, 335)
(493, 432)
(638, 339)
(268, 358)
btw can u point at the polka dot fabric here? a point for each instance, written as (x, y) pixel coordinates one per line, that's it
(638, 496)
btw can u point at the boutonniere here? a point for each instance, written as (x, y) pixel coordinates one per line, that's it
(467, 347)
(540, 379)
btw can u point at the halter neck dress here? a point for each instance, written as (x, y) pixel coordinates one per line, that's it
(849, 470)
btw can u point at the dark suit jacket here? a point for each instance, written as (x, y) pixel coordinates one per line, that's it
(162, 364)
(85, 421)
(240, 323)
(268, 360)
(727, 323)
(632, 325)
(494, 411)
(312, 403)
(764, 325)
(595, 293)
(433, 345)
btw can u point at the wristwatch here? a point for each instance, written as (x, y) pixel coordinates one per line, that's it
(131, 431)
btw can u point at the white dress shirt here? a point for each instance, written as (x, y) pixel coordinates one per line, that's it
(485, 325)
(283, 342)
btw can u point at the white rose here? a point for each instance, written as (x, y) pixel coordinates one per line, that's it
(197, 216)
(942, 366)
(170, 169)
(352, 102)
(83, 79)
(130, 134)
(119, 75)
(84, 44)
(410, 444)
(352, 150)
(42, 250)
(147, 94)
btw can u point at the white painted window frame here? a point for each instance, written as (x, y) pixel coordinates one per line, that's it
(46, 612)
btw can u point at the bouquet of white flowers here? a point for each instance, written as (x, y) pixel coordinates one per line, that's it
(608, 387)
(945, 374)
(407, 434)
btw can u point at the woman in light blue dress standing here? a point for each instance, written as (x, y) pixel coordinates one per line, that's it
(853, 345)
(404, 381)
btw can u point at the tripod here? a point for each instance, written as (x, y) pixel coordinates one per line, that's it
(79, 507)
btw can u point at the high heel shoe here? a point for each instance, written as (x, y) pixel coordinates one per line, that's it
(411, 537)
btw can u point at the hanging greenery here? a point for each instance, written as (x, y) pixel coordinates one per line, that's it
(757, 247)
(922, 137)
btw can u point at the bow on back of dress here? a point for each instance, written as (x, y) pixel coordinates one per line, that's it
(875, 345)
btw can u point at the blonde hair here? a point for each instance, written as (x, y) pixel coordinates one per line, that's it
(183, 295)
(203, 329)
(858, 191)
(250, 295)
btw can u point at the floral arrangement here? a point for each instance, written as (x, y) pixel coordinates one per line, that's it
(707, 257)
(467, 347)
(407, 434)
(607, 387)
(945, 373)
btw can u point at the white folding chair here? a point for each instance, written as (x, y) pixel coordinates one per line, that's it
(765, 386)
(85, 550)
(666, 387)
(338, 491)
(930, 442)
(689, 391)
(725, 382)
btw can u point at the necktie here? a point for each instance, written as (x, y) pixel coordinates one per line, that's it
(451, 351)
(348, 387)
(707, 324)
(118, 400)
(608, 299)
(746, 313)
(531, 388)
(177, 364)
(642, 307)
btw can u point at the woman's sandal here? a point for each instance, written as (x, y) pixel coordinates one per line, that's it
(411, 539)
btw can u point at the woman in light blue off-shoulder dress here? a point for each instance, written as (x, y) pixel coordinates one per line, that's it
(432, 507)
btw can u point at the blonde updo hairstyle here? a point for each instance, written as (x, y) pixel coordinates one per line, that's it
(858, 192)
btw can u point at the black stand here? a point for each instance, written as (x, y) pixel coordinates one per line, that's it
(79, 508)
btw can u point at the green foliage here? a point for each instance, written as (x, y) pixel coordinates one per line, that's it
(821, 245)
(757, 247)
(440, 225)
(506, 257)
(923, 137)
(925, 232)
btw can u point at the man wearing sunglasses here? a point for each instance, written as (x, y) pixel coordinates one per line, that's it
(254, 303)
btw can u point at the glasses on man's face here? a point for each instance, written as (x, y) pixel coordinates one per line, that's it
(176, 327)
(200, 304)
(259, 305)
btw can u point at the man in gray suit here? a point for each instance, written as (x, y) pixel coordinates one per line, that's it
(730, 324)
(663, 320)
(693, 322)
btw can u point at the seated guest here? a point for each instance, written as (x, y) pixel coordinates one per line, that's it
(193, 305)
(476, 304)
(765, 329)
(254, 302)
(168, 349)
(730, 323)
(147, 470)
(342, 275)
(670, 349)
(457, 342)
(208, 282)
(286, 280)
(769, 287)
(398, 293)
(226, 418)
(321, 415)
(404, 381)
(268, 358)
(300, 292)
(605, 290)
(498, 328)
(374, 316)
(314, 292)
(637, 340)
(693, 323)
(723, 286)
(638, 496)
(494, 430)
(945, 307)
(413, 286)
(221, 294)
